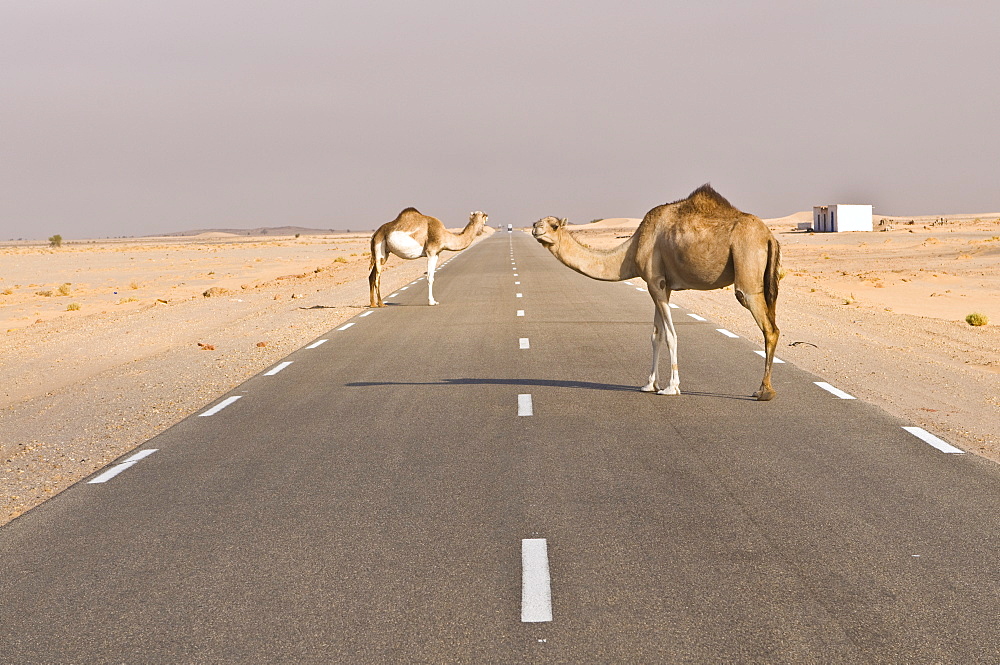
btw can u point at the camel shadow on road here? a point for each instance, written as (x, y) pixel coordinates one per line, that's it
(548, 383)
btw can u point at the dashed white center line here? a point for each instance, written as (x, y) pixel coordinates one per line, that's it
(523, 342)
(524, 406)
(520, 312)
(763, 354)
(639, 288)
(220, 406)
(836, 391)
(630, 283)
(940, 444)
(517, 283)
(361, 316)
(673, 306)
(516, 275)
(316, 343)
(726, 332)
(520, 295)
(405, 287)
(118, 468)
(696, 317)
(348, 325)
(536, 584)
(278, 368)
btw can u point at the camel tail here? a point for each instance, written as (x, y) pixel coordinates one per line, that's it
(771, 276)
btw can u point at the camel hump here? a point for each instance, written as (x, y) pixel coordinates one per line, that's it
(707, 201)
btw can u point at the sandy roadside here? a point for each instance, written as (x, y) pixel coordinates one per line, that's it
(84, 387)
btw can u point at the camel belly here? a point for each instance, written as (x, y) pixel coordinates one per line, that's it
(404, 246)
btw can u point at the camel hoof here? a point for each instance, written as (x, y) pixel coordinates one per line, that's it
(669, 391)
(432, 303)
(649, 388)
(765, 395)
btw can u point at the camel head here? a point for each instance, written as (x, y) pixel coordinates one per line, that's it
(547, 230)
(477, 220)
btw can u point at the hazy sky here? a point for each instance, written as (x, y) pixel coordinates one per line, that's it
(131, 117)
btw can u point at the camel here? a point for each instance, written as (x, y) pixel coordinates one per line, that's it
(701, 242)
(412, 235)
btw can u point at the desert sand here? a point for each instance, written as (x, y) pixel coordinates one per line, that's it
(880, 315)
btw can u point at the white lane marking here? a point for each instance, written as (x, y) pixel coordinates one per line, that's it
(520, 295)
(524, 406)
(629, 283)
(393, 295)
(516, 283)
(361, 316)
(220, 406)
(940, 444)
(515, 274)
(319, 342)
(762, 354)
(639, 288)
(673, 306)
(520, 312)
(278, 368)
(523, 342)
(118, 468)
(696, 317)
(405, 287)
(726, 332)
(348, 325)
(836, 391)
(536, 584)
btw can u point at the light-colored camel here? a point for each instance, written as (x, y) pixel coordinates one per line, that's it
(701, 242)
(412, 235)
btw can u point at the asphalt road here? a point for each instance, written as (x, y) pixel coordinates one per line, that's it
(381, 500)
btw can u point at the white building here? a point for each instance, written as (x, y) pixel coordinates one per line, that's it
(841, 217)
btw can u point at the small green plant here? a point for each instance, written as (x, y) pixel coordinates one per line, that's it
(64, 289)
(340, 259)
(977, 319)
(72, 307)
(44, 294)
(55, 241)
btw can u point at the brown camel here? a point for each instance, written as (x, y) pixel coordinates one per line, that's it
(701, 242)
(412, 235)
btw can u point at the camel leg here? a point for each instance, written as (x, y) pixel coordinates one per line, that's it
(657, 340)
(765, 321)
(375, 276)
(670, 333)
(432, 260)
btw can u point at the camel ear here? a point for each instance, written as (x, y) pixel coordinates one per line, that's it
(562, 222)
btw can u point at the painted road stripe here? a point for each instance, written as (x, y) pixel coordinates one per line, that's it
(118, 468)
(726, 332)
(696, 317)
(762, 354)
(393, 295)
(515, 274)
(639, 288)
(836, 391)
(536, 585)
(220, 406)
(361, 316)
(524, 343)
(520, 312)
(516, 283)
(348, 325)
(629, 283)
(673, 306)
(405, 287)
(318, 343)
(524, 407)
(278, 368)
(520, 295)
(927, 437)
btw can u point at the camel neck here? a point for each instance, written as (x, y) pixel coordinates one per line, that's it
(611, 265)
(463, 239)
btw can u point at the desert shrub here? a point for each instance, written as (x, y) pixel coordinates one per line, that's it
(134, 285)
(72, 307)
(340, 259)
(55, 241)
(64, 289)
(44, 294)
(977, 319)
(8, 292)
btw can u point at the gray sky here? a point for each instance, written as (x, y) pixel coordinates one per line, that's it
(123, 117)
